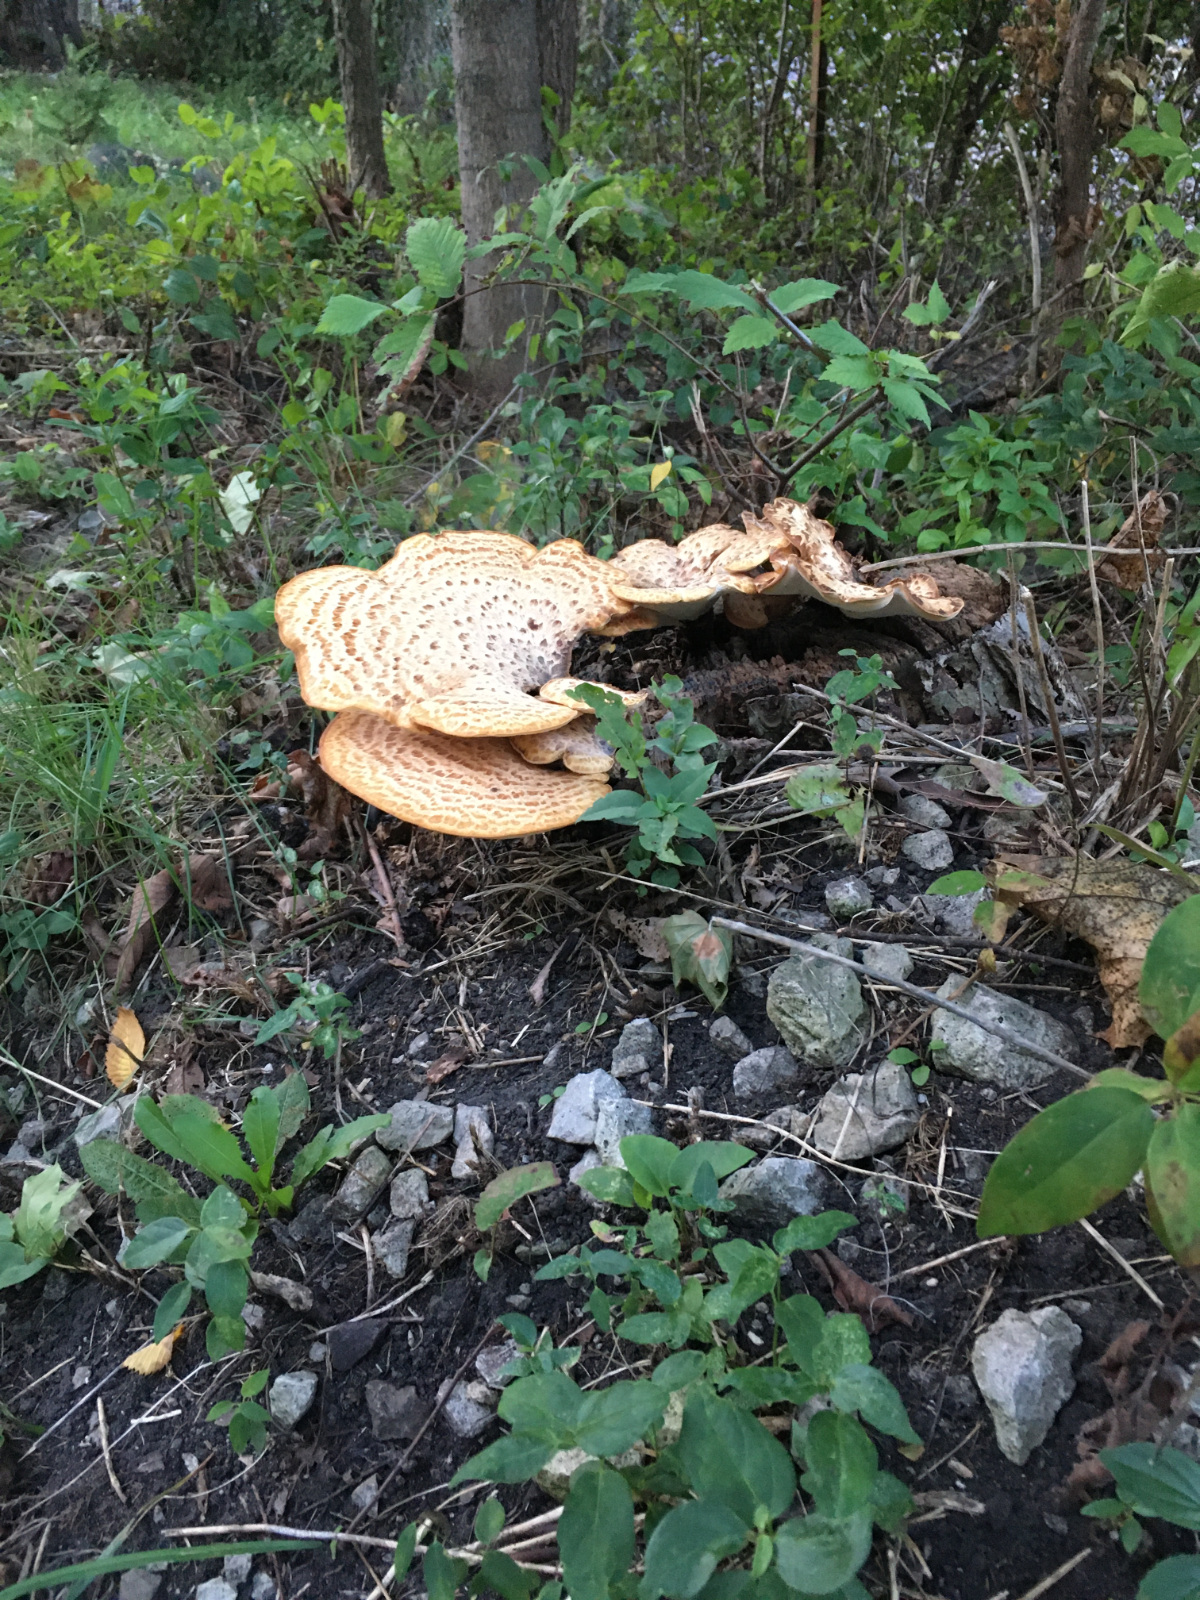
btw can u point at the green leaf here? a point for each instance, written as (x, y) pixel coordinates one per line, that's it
(546, 1403)
(752, 332)
(595, 1532)
(611, 1420)
(509, 1187)
(37, 1220)
(958, 883)
(406, 1546)
(838, 341)
(347, 314)
(842, 1463)
(706, 293)
(731, 1458)
(862, 1388)
(891, 1503)
(852, 372)
(222, 1209)
(721, 1155)
(1068, 1160)
(442, 1573)
(802, 1320)
(489, 1520)
(812, 1233)
(436, 249)
(402, 352)
(170, 1310)
(1174, 291)
(700, 954)
(225, 1288)
(292, 1096)
(843, 1343)
(14, 1268)
(613, 1185)
(260, 1129)
(1169, 989)
(513, 1459)
(1008, 783)
(1157, 1483)
(1176, 1578)
(501, 1574)
(156, 1242)
(621, 805)
(1172, 1175)
(818, 790)
(211, 1148)
(125, 1561)
(803, 292)
(650, 1162)
(817, 1554)
(684, 1548)
(217, 321)
(181, 288)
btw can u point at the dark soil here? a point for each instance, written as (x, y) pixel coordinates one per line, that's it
(482, 921)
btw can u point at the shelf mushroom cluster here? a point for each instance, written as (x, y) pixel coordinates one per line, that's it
(448, 667)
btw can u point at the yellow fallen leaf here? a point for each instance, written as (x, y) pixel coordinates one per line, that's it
(657, 473)
(153, 1358)
(126, 1047)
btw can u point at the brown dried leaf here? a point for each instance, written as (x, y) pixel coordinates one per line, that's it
(207, 881)
(126, 1048)
(1142, 527)
(449, 1061)
(182, 961)
(152, 1358)
(49, 877)
(326, 804)
(643, 933)
(854, 1293)
(1115, 906)
(151, 899)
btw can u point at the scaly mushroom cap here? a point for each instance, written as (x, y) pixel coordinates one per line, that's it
(814, 564)
(475, 788)
(450, 634)
(681, 581)
(576, 746)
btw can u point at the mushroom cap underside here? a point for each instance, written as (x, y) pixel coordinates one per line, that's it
(473, 788)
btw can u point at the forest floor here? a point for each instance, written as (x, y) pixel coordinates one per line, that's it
(519, 967)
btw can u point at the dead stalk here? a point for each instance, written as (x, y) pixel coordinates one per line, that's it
(1014, 643)
(106, 1451)
(1060, 750)
(1085, 512)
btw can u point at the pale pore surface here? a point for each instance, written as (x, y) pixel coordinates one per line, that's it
(450, 634)
(475, 788)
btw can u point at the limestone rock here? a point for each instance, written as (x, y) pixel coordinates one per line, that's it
(616, 1120)
(985, 1057)
(866, 1113)
(638, 1050)
(764, 1071)
(471, 1127)
(774, 1190)
(932, 851)
(291, 1397)
(359, 1189)
(1022, 1364)
(818, 1007)
(392, 1245)
(469, 1408)
(574, 1119)
(395, 1412)
(729, 1039)
(416, 1125)
(924, 812)
(847, 897)
(491, 1361)
(887, 961)
(410, 1194)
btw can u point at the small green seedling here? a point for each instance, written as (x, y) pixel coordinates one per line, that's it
(318, 1011)
(246, 1419)
(32, 1235)
(907, 1058)
(590, 1024)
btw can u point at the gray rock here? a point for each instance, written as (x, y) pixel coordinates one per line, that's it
(729, 1039)
(1022, 1364)
(410, 1194)
(765, 1071)
(469, 1407)
(931, 851)
(392, 1245)
(776, 1189)
(471, 1128)
(215, 1589)
(866, 1113)
(313, 1223)
(882, 877)
(818, 1007)
(617, 1120)
(924, 812)
(395, 1412)
(139, 1584)
(360, 1188)
(491, 1361)
(883, 1197)
(420, 1046)
(237, 1568)
(848, 897)
(365, 1495)
(262, 1586)
(291, 1397)
(110, 1122)
(555, 1056)
(638, 1050)
(416, 1125)
(349, 1342)
(954, 914)
(887, 961)
(985, 1057)
(574, 1119)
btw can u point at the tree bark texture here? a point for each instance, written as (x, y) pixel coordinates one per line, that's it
(1075, 132)
(420, 32)
(33, 32)
(558, 53)
(358, 64)
(498, 104)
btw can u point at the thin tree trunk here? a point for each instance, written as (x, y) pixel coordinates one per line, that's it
(1075, 131)
(816, 106)
(498, 105)
(354, 28)
(558, 54)
(33, 32)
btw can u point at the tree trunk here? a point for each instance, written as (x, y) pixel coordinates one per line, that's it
(558, 53)
(354, 28)
(33, 33)
(498, 104)
(1075, 130)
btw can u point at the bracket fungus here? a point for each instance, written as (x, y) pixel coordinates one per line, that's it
(476, 788)
(451, 634)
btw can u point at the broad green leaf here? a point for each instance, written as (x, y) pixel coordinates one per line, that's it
(1157, 1483)
(509, 1187)
(862, 1388)
(817, 790)
(1172, 1175)
(611, 1420)
(613, 1185)
(891, 1503)
(501, 1575)
(260, 1129)
(817, 1554)
(1065, 1162)
(621, 805)
(770, 1386)
(663, 1233)
(700, 954)
(595, 1532)
(1174, 291)
(802, 1321)
(436, 248)
(222, 1209)
(812, 1233)
(685, 1547)
(803, 292)
(14, 1268)
(217, 321)
(852, 372)
(547, 1402)
(406, 1546)
(838, 341)
(721, 1155)
(513, 1459)
(170, 1310)
(706, 293)
(843, 1343)
(753, 332)
(1152, 1089)
(225, 1288)
(181, 288)
(442, 1573)
(731, 1458)
(347, 314)
(842, 1463)
(1176, 1578)
(955, 883)
(37, 1220)
(1169, 989)
(402, 352)
(489, 1520)
(155, 1242)
(211, 1148)
(154, 1192)
(650, 1162)
(754, 1279)
(292, 1095)
(657, 1327)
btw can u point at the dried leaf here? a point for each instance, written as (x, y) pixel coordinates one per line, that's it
(326, 804)
(1142, 527)
(298, 1296)
(153, 1358)
(126, 1048)
(1115, 906)
(49, 877)
(854, 1293)
(151, 899)
(182, 961)
(449, 1061)
(206, 879)
(644, 934)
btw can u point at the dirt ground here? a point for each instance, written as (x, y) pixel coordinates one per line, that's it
(481, 923)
